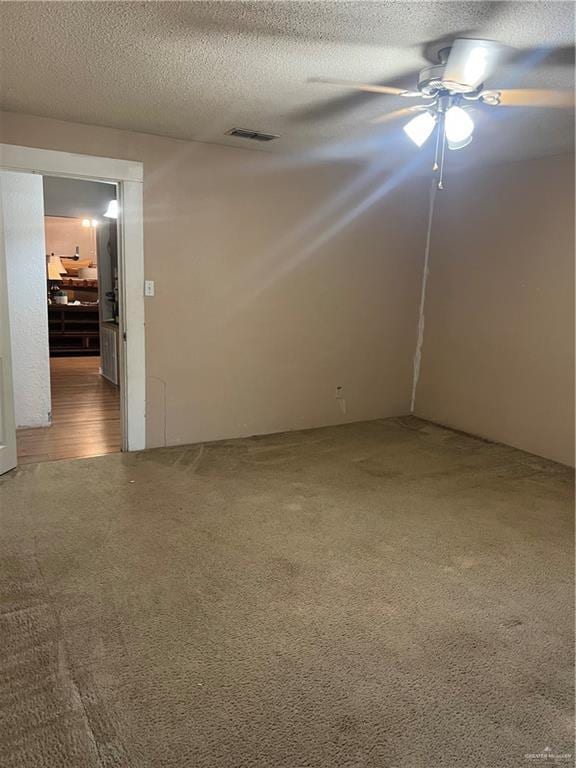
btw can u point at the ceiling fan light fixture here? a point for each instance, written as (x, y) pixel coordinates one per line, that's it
(420, 127)
(458, 128)
(455, 145)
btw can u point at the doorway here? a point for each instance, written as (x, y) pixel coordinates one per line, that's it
(93, 313)
(82, 321)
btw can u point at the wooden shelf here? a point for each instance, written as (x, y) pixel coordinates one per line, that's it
(78, 284)
(73, 329)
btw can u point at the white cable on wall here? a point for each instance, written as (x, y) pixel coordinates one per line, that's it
(420, 337)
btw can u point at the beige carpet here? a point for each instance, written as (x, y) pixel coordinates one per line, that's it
(378, 595)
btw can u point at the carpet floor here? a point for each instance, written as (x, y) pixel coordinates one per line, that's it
(388, 594)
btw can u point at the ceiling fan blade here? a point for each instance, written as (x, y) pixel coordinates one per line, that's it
(470, 63)
(529, 97)
(386, 89)
(389, 116)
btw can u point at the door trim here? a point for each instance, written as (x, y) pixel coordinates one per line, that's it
(129, 176)
(8, 453)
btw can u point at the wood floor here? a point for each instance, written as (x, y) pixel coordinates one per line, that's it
(85, 415)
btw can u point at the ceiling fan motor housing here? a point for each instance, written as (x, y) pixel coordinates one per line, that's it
(431, 82)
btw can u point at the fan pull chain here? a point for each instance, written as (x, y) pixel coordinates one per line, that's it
(442, 138)
(442, 156)
(439, 131)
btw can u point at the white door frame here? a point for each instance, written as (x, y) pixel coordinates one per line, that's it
(8, 459)
(129, 176)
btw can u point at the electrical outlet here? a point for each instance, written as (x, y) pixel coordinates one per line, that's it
(149, 287)
(340, 399)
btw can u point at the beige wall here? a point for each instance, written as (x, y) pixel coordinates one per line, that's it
(498, 356)
(256, 319)
(265, 303)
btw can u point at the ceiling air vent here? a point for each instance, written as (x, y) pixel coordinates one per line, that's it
(244, 133)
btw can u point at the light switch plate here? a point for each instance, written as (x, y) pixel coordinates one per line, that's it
(148, 287)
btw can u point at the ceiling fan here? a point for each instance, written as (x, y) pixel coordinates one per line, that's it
(449, 88)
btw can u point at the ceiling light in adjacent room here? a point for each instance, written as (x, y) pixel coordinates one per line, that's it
(112, 211)
(85, 222)
(420, 128)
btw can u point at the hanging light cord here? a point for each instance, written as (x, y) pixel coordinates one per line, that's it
(420, 337)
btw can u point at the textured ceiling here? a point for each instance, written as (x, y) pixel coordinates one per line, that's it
(194, 70)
